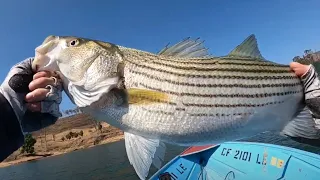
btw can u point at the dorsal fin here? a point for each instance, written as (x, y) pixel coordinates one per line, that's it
(248, 48)
(186, 48)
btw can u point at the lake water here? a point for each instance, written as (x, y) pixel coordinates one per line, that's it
(107, 161)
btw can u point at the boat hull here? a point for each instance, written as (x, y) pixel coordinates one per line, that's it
(241, 161)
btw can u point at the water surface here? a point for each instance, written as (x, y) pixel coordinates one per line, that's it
(107, 161)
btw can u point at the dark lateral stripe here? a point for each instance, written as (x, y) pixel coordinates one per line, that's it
(286, 70)
(180, 109)
(223, 85)
(210, 59)
(222, 105)
(197, 114)
(219, 114)
(217, 62)
(233, 105)
(158, 111)
(216, 76)
(259, 95)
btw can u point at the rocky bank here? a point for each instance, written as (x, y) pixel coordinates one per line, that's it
(66, 135)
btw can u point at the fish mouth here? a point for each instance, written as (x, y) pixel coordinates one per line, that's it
(43, 60)
(40, 61)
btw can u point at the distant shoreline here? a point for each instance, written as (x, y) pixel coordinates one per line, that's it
(42, 156)
(57, 144)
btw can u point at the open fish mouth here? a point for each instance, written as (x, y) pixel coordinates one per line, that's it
(44, 55)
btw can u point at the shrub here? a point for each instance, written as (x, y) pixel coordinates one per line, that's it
(28, 145)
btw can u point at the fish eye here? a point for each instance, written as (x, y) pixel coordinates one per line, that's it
(73, 42)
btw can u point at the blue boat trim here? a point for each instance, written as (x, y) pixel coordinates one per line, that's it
(243, 161)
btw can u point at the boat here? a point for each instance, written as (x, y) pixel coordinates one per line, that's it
(241, 161)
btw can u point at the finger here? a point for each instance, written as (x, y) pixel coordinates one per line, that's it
(34, 107)
(42, 74)
(37, 95)
(294, 65)
(299, 69)
(41, 82)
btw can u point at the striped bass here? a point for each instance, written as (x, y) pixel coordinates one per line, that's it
(182, 95)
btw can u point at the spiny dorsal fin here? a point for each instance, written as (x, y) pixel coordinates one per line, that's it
(186, 48)
(248, 48)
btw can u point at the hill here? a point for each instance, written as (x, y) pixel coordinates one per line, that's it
(66, 135)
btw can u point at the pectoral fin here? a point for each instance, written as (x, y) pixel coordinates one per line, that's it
(143, 152)
(144, 96)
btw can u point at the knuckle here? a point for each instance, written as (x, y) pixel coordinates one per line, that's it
(37, 95)
(40, 74)
(34, 106)
(43, 81)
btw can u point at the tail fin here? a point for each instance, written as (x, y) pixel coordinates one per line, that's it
(302, 126)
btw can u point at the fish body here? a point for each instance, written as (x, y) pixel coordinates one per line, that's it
(209, 99)
(180, 96)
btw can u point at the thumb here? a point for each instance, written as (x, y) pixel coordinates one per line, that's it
(299, 69)
(294, 65)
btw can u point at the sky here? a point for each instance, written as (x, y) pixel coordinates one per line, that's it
(283, 28)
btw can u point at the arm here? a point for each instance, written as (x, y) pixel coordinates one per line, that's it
(306, 128)
(28, 102)
(11, 137)
(311, 85)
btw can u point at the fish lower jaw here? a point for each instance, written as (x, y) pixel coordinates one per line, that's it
(42, 63)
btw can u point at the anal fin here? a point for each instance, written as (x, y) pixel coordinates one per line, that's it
(143, 152)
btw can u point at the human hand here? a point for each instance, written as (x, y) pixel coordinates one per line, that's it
(38, 89)
(299, 69)
(35, 98)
